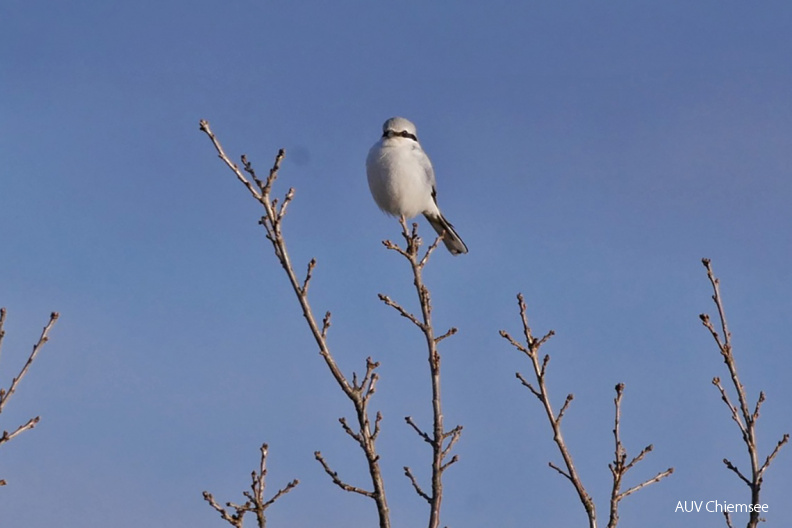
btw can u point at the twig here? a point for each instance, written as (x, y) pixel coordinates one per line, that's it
(418, 430)
(6, 436)
(417, 488)
(743, 417)
(619, 467)
(255, 497)
(337, 481)
(5, 394)
(359, 395)
(438, 436)
(531, 349)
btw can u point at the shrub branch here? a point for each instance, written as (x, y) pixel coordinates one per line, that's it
(5, 394)
(741, 413)
(438, 438)
(618, 468)
(359, 393)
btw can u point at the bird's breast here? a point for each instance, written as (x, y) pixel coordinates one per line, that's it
(398, 181)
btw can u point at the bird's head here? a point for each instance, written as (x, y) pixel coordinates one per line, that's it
(399, 127)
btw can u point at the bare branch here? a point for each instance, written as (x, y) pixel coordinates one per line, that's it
(531, 349)
(454, 434)
(656, 478)
(641, 455)
(451, 331)
(530, 387)
(429, 250)
(2, 324)
(249, 169)
(394, 247)
(417, 488)
(5, 394)
(417, 429)
(735, 414)
(545, 360)
(619, 468)
(544, 339)
(232, 519)
(732, 467)
(255, 503)
(404, 313)
(283, 491)
(772, 455)
(564, 407)
(349, 431)
(744, 418)
(377, 421)
(337, 481)
(438, 434)
(759, 403)
(516, 344)
(6, 436)
(286, 201)
(308, 275)
(204, 126)
(325, 325)
(563, 473)
(725, 346)
(454, 459)
(358, 395)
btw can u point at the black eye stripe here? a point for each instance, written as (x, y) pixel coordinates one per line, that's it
(403, 133)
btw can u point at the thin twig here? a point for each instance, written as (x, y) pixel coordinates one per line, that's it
(417, 429)
(2, 324)
(5, 394)
(417, 488)
(657, 478)
(255, 497)
(337, 481)
(6, 436)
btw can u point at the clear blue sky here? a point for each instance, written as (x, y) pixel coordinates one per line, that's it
(588, 153)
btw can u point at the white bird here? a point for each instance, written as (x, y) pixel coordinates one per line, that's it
(402, 180)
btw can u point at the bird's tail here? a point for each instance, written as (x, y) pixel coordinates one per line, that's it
(450, 237)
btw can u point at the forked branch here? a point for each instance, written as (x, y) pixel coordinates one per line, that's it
(5, 394)
(439, 439)
(620, 466)
(531, 349)
(234, 514)
(358, 393)
(538, 388)
(741, 413)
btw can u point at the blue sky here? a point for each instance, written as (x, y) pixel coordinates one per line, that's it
(589, 155)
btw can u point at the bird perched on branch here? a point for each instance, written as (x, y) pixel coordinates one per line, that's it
(402, 180)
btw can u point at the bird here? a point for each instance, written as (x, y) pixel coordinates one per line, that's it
(402, 180)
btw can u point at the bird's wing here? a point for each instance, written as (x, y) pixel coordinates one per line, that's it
(426, 164)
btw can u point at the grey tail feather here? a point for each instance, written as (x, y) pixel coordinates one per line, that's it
(451, 239)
